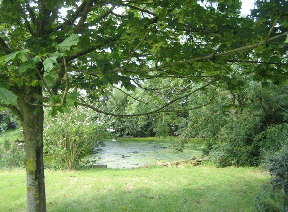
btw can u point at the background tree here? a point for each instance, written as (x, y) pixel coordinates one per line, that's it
(52, 50)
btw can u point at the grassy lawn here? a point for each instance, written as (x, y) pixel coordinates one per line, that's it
(201, 188)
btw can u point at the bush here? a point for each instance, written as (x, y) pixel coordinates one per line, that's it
(277, 194)
(12, 154)
(268, 200)
(272, 139)
(237, 146)
(69, 137)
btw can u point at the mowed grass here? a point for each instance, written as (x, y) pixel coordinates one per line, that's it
(201, 188)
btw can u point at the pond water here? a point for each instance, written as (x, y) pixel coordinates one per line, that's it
(133, 154)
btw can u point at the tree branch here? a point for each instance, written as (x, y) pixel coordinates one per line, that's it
(159, 110)
(78, 13)
(31, 12)
(83, 15)
(213, 55)
(206, 58)
(127, 94)
(255, 62)
(101, 17)
(23, 15)
(137, 8)
(90, 49)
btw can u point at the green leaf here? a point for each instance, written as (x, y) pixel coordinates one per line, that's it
(49, 63)
(53, 112)
(72, 40)
(72, 99)
(20, 81)
(26, 66)
(7, 97)
(36, 59)
(20, 55)
(2, 59)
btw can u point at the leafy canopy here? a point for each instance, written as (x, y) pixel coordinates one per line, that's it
(68, 47)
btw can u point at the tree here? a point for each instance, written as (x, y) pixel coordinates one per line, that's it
(53, 51)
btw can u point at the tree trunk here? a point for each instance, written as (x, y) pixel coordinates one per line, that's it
(32, 123)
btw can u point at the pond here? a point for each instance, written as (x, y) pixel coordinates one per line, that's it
(132, 154)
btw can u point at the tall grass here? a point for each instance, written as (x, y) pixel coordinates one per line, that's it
(160, 189)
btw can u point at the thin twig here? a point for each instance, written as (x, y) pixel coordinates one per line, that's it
(271, 29)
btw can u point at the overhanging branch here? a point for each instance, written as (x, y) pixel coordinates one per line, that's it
(159, 110)
(139, 9)
(90, 49)
(207, 58)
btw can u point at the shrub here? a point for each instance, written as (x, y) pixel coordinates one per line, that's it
(276, 196)
(11, 154)
(237, 146)
(278, 168)
(268, 200)
(272, 139)
(69, 137)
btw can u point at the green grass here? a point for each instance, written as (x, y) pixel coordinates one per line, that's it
(201, 188)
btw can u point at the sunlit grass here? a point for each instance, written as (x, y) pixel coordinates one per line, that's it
(203, 188)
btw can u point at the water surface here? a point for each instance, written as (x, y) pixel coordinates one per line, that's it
(133, 154)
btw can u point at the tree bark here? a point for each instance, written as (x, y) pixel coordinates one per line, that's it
(32, 123)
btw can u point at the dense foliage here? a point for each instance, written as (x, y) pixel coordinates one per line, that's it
(12, 153)
(61, 54)
(274, 197)
(70, 137)
(241, 125)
